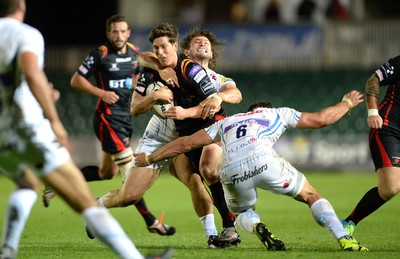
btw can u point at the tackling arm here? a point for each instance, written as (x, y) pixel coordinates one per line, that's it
(174, 148)
(150, 60)
(330, 114)
(230, 94)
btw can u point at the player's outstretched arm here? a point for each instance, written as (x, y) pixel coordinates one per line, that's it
(228, 93)
(150, 60)
(330, 114)
(174, 148)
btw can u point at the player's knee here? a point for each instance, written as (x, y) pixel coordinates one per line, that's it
(389, 192)
(195, 181)
(308, 197)
(195, 178)
(209, 174)
(129, 199)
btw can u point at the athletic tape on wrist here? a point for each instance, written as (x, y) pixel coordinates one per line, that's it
(211, 96)
(217, 96)
(147, 158)
(373, 112)
(348, 101)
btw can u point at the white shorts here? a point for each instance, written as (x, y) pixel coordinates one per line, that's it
(267, 171)
(32, 145)
(157, 133)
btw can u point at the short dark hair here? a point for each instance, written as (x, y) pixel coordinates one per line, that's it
(259, 104)
(115, 18)
(8, 7)
(216, 45)
(164, 30)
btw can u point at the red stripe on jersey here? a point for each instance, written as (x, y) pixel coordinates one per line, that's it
(120, 145)
(374, 131)
(391, 100)
(382, 104)
(385, 158)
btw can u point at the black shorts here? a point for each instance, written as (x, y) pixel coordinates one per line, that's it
(194, 157)
(384, 148)
(113, 131)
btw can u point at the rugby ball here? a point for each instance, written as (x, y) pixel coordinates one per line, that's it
(158, 109)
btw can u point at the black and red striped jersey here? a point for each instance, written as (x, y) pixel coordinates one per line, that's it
(112, 72)
(389, 109)
(195, 86)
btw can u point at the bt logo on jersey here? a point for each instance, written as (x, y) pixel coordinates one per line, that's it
(122, 83)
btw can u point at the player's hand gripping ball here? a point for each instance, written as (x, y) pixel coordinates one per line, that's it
(158, 109)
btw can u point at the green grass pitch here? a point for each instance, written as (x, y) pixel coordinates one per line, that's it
(58, 232)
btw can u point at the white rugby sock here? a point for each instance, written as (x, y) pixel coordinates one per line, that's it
(247, 219)
(209, 225)
(325, 216)
(109, 231)
(125, 162)
(18, 210)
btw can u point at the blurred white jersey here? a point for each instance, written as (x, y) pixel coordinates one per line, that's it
(16, 38)
(32, 112)
(244, 134)
(25, 135)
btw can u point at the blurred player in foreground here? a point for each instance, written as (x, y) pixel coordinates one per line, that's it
(38, 143)
(250, 162)
(384, 141)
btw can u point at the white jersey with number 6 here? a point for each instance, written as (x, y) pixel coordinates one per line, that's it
(244, 134)
(250, 161)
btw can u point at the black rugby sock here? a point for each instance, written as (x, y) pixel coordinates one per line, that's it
(144, 211)
(91, 173)
(369, 203)
(219, 201)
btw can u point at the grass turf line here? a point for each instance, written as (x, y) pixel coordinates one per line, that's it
(58, 232)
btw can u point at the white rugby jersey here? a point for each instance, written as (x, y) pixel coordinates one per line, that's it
(218, 80)
(244, 134)
(16, 38)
